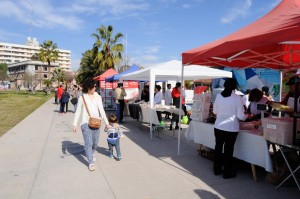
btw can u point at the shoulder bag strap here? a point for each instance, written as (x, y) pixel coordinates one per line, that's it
(87, 110)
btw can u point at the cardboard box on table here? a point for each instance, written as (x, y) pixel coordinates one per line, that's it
(201, 105)
(279, 130)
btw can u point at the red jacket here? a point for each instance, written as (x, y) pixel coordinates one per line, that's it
(60, 91)
(176, 94)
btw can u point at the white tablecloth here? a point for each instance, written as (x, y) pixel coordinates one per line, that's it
(170, 110)
(145, 117)
(248, 146)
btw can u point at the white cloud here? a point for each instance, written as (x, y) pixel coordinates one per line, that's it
(114, 7)
(152, 49)
(4, 35)
(41, 13)
(241, 9)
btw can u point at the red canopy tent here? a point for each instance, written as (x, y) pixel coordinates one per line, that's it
(273, 41)
(109, 72)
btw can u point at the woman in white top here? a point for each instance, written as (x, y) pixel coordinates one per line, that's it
(94, 104)
(229, 109)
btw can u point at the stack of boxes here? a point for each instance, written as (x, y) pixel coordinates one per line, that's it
(201, 105)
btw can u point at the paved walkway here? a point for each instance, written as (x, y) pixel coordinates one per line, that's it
(41, 158)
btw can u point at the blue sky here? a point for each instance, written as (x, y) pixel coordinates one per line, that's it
(157, 30)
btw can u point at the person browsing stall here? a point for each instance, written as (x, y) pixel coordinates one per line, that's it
(176, 92)
(120, 93)
(228, 108)
(145, 94)
(256, 96)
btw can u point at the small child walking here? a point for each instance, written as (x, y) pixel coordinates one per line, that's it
(113, 138)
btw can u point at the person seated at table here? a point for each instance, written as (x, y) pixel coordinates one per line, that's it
(256, 96)
(145, 93)
(158, 96)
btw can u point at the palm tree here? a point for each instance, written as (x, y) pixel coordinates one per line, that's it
(48, 52)
(48, 83)
(106, 48)
(87, 68)
(58, 75)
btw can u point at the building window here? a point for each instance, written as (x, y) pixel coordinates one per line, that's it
(36, 67)
(45, 68)
(45, 76)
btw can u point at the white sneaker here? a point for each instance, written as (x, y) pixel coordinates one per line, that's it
(92, 167)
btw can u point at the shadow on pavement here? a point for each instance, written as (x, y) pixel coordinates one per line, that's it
(189, 162)
(75, 149)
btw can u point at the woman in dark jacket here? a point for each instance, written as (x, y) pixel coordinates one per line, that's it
(64, 101)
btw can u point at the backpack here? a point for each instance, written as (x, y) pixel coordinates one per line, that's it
(113, 137)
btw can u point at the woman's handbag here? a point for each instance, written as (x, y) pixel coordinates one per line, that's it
(94, 123)
(74, 100)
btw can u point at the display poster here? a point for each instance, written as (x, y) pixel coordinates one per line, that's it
(107, 92)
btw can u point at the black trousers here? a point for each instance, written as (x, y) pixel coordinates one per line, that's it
(224, 139)
(159, 117)
(122, 106)
(62, 107)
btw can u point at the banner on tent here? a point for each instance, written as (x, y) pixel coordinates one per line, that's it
(254, 78)
(111, 85)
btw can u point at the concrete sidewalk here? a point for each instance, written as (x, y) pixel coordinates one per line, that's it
(41, 158)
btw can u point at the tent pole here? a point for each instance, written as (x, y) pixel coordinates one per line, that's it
(180, 108)
(280, 85)
(151, 87)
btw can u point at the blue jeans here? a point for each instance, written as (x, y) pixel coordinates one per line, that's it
(111, 146)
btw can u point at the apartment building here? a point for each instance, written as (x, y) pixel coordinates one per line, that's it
(30, 74)
(14, 53)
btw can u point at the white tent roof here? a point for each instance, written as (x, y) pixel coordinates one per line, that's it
(171, 70)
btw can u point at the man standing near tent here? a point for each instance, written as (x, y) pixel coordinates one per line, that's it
(120, 93)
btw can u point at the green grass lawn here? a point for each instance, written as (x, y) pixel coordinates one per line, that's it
(14, 107)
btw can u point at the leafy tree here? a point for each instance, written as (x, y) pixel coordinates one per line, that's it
(87, 68)
(31, 81)
(47, 83)
(58, 75)
(3, 71)
(69, 76)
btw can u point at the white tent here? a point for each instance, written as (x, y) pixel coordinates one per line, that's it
(173, 70)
